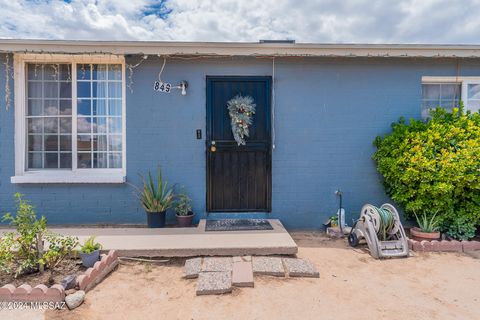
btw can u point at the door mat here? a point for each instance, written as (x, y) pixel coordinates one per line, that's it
(237, 225)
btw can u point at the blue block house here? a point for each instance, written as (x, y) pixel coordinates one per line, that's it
(80, 120)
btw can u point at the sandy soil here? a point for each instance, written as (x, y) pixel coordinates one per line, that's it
(352, 285)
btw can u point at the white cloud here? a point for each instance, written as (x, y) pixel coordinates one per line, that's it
(374, 21)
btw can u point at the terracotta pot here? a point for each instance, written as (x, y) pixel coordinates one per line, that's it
(185, 221)
(419, 235)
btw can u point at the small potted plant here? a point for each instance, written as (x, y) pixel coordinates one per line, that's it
(156, 199)
(90, 252)
(183, 209)
(427, 228)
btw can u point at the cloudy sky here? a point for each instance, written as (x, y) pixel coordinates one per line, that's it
(361, 21)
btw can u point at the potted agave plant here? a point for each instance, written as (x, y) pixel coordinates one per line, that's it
(156, 199)
(183, 210)
(427, 228)
(90, 252)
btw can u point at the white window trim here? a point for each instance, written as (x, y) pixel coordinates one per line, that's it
(464, 81)
(62, 176)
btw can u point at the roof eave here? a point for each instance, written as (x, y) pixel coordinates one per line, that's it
(240, 49)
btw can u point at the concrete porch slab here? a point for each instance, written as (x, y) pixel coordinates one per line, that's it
(188, 242)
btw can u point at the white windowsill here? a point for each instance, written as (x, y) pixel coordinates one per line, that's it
(69, 177)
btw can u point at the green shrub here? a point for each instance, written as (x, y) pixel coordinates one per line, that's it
(460, 229)
(28, 242)
(434, 166)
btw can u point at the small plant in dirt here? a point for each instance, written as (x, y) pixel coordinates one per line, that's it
(90, 245)
(433, 167)
(26, 243)
(59, 248)
(183, 205)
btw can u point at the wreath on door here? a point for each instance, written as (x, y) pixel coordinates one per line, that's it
(241, 110)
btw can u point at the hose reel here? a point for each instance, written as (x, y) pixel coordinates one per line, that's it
(383, 231)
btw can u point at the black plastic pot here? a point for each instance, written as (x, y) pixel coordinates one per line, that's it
(156, 219)
(185, 221)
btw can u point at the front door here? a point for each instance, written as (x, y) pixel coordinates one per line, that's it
(238, 177)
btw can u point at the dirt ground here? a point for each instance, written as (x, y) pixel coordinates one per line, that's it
(352, 285)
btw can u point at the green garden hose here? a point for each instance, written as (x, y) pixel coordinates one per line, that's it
(386, 222)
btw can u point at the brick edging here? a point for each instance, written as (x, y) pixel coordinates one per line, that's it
(100, 270)
(443, 245)
(56, 293)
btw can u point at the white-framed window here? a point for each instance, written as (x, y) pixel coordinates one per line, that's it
(447, 92)
(69, 119)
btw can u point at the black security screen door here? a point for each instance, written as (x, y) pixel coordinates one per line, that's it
(238, 177)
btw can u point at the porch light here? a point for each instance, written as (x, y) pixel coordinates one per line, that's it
(183, 86)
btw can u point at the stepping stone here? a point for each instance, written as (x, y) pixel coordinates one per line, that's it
(242, 274)
(214, 283)
(242, 258)
(192, 268)
(217, 264)
(300, 268)
(271, 266)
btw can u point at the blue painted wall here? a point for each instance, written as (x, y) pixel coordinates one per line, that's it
(327, 113)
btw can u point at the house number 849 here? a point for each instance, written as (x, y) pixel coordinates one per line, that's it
(162, 86)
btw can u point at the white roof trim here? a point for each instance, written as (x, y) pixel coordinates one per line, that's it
(240, 48)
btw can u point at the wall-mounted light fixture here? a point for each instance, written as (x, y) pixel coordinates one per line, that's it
(183, 86)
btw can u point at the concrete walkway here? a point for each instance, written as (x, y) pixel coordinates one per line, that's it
(187, 242)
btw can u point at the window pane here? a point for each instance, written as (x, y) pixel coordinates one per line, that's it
(65, 125)
(100, 125)
(115, 143)
(65, 72)
(100, 107)
(115, 160)
(83, 72)
(431, 91)
(115, 90)
(51, 125)
(115, 107)
(35, 71)
(35, 143)
(35, 125)
(51, 107)
(473, 91)
(84, 125)
(34, 89)
(84, 143)
(99, 89)
(65, 143)
(99, 72)
(65, 90)
(84, 107)
(100, 143)
(83, 89)
(474, 105)
(51, 160)
(35, 160)
(84, 160)
(35, 107)
(50, 89)
(100, 160)
(65, 160)
(450, 91)
(51, 143)
(51, 72)
(115, 72)
(115, 125)
(65, 107)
